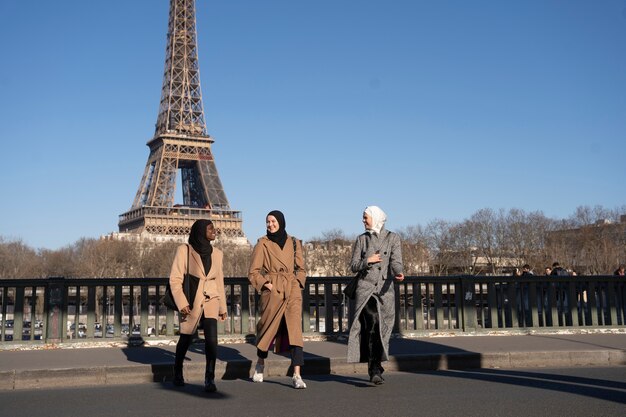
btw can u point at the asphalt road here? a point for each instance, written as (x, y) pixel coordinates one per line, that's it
(588, 392)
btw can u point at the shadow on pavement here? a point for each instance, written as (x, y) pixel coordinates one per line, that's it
(195, 390)
(415, 354)
(236, 363)
(590, 387)
(344, 379)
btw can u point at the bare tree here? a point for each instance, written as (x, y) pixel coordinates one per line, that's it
(414, 250)
(17, 260)
(592, 240)
(439, 242)
(236, 259)
(329, 255)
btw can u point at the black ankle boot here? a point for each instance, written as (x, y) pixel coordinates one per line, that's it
(375, 371)
(179, 381)
(209, 385)
(209, 376)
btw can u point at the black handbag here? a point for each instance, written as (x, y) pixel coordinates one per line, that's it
(350, 289)
(190, 286)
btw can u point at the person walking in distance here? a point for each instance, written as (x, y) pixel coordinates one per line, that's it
(208, 304)
(377, 259)
(277, 272)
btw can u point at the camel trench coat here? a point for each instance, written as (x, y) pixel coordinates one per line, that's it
(211, 286)
(271, 264)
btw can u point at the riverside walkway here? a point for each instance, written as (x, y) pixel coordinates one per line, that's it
(84, 365)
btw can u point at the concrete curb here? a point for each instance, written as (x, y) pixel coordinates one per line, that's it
(242, 368)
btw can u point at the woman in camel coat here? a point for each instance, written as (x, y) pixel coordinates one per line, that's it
(277, 273)
(204, 262)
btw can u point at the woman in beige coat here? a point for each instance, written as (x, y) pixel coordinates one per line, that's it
(201, 260)
(277, 273)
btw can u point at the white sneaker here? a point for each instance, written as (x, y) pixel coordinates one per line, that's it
(298, 383)
(258, 373)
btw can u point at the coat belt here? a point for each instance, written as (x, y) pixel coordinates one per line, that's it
(282, 282)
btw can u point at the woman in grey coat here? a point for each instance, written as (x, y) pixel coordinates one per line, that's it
(377, 259)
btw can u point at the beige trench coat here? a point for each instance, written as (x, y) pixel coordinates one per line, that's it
(211, 286)
(272, 264)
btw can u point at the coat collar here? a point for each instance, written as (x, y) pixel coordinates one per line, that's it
(287, 249)
(195, 258)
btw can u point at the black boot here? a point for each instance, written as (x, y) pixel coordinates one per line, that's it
(375, 371)
(181, 349)
(209, 376)
(210, 347)
(179, 381)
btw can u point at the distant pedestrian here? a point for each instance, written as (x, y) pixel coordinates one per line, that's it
(562, 295)
(208, 305)
(526, 270)
(558, 270)
(277, 272)
(620, 295)
(377, 258)
(522, 290)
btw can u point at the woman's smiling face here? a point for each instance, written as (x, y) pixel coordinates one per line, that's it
(368, 222)
(272, 224)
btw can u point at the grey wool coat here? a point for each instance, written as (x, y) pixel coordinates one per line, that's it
(271, 264)
(377, 280)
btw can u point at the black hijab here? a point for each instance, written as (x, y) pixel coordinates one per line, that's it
(280, 236)
(199, 242)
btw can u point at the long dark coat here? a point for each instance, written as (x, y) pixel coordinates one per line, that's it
(211, 285)
(377, 281)
(272, 264)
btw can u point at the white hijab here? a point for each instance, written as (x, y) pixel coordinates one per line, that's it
(378, 218)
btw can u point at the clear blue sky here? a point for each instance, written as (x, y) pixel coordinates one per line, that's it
(429, 109)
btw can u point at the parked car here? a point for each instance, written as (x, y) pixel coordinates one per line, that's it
(82, 330)
(97, 330)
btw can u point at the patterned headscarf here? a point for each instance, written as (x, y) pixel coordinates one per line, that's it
(378, 218)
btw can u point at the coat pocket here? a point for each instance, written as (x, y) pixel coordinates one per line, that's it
(209, 288)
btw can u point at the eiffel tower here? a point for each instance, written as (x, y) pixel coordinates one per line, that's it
(180, 143)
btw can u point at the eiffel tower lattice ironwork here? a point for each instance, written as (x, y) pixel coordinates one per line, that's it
(180, 143)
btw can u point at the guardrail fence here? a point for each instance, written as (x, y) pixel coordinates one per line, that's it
(64, 310)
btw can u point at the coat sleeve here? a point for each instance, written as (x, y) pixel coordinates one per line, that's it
(177, 274)
(220, 283)
(301, 272)
(395, 259)
(257, 280)
(358, 262)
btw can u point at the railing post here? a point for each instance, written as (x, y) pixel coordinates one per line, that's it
(329, 322)
(55, 321)
(245, 309)
(306, 308)
(91, 310)
(468, 318)
(397, 328)
(117, 310)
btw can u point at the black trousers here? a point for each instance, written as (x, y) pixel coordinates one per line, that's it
(297, 355)
(371, 345)
(210, 346)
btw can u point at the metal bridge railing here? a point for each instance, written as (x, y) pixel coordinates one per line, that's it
(65, 310)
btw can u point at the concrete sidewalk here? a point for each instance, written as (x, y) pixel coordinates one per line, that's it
(66, 367)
